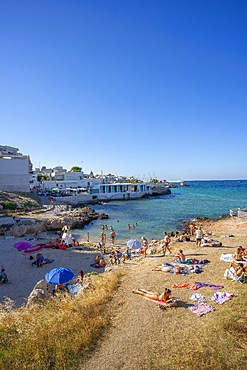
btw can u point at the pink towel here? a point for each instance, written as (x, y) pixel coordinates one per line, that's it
(201, 309)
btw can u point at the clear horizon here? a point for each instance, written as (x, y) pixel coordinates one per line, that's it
(129, 87)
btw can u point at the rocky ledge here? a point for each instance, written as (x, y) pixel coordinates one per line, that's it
(51, 218)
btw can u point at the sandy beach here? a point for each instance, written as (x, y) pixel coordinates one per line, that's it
(134, 318)
(23, 276)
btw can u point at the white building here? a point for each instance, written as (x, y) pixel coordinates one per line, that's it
(71, 180)
(14, 170)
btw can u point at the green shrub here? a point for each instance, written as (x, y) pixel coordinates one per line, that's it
(9, 205)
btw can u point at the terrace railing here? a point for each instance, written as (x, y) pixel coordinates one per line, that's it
(237, 212)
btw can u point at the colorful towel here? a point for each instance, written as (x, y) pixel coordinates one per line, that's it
(187, 286)
(201, 309)
(215, 287)
(197, 297)
(221, 297)
(162, 303)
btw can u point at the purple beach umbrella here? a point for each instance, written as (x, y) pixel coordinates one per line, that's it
(22, 246)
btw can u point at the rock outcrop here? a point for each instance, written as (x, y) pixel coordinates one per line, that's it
(40, 293)
(53, 218)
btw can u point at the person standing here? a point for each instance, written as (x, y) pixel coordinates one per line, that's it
(192, 229)
(199, 235)
(144, 245)
(113, 235)
(166, 243)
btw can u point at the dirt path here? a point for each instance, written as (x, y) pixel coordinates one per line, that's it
(141, 334)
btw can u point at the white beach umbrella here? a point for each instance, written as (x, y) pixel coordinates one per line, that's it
(134, 244)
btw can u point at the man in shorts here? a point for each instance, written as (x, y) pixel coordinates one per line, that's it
(199, 235)
(166, 243)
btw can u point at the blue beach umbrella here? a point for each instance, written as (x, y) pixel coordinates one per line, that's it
(60, 275)
(134, 244)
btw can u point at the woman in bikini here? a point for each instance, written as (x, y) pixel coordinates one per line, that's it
(163, 297)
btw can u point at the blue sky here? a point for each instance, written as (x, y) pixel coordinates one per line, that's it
(131, 87)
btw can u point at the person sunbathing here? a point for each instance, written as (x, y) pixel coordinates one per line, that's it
(80, 277)
(238, 256)
(180, 257)
(102, 262)
(163, 297)
(234, 271)
(163, 268)
(210, 243)
(41, 260)
(3, 277)
(243, 252)
(97, 259)
(184, 237)
(60, 289)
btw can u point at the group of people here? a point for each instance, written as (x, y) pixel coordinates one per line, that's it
(238, 266)
(61, 289)
(103, 235)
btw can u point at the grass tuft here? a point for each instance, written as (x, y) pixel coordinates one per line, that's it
(59, 334)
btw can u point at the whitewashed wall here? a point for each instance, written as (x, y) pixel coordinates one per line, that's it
(14, 174)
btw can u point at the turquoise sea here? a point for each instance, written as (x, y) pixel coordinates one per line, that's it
(153, 216)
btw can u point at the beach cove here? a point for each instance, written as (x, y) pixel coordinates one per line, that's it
(132, 318)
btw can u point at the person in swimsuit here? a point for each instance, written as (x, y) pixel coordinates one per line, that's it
(166, 242)
(180, 257)
(164, 297)
(113, 235)
(3, 277)
(199, 236)
(80, 277)
(144, 245)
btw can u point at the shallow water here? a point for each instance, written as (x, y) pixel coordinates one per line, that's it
(153, 216)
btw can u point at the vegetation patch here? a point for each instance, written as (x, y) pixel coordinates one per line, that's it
(9, 205)
(59, 334)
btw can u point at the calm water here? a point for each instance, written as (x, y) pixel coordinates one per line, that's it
(153, 216)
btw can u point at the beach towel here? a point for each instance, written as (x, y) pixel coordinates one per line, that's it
(162, 303)
(197, 297)
(215, 287)
(229, 258)
(226, 257)
(201, 309)
(74, 289)
(34, 249)
(187, 264)
(187, 286)
(221, 297)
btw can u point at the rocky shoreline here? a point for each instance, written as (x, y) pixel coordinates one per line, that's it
(48, 219)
